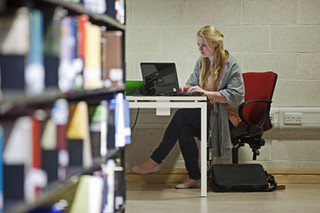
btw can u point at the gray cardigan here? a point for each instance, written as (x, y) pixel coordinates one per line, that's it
(232, 88)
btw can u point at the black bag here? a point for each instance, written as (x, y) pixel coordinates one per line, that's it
(240, 178)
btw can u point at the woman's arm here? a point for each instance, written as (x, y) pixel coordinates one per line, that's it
(213, 96)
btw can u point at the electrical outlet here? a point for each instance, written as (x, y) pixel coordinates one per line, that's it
(293, 118)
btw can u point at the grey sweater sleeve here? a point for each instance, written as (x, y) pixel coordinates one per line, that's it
(232, 88)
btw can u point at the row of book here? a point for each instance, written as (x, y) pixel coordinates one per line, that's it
(66, 52)
(50, 146)
(113, 8)
(101, 191)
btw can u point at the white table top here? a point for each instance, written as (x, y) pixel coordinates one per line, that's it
(166, 98)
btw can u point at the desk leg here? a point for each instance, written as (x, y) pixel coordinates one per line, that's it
(204, 150)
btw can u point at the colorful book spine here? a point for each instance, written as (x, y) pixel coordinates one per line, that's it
(122, 121)
(113, 70)
(67, 71)
(36, 150)
(1, 171)
(60, 115)
(34, 73)
(110, 170)
(92, 68)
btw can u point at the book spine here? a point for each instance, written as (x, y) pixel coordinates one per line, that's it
(1, 171)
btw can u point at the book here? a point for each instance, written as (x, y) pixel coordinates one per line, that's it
(14, 47)
(98, 129)
(1, 170)
(127, 127)
(36, 177)
(49, 136)
(34, 180)
(17, 158)
(111, 9)
(36, 157)
(49, 154)
(120, 11)
(111, 125)
(68, 67)
(119, 121)
(14, 39)
(82, 21)
(12, 74)
(113, 70)
(96, 6)
(15, 152)
(52, 47)
(60, 115)
(122, 121)
(78, 132)
(104, 128)
(34, 72)
(36, 154)
(13, 182)
(51, 44)
(92, 65)
(89, 195)
(110, 172)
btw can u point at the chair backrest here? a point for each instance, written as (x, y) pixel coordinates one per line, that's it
(258, 85)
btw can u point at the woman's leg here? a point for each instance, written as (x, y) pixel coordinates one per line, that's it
(189, 150)
(184, 118)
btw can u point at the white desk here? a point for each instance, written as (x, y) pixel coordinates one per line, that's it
(163, 104)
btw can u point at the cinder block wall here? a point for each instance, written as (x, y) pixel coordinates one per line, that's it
(283, 36)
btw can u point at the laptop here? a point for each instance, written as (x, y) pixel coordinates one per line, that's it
(161, 79)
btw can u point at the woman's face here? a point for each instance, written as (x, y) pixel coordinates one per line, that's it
(206, 47)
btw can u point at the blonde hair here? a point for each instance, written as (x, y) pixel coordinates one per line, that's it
(210, 33)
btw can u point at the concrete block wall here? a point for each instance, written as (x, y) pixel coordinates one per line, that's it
(282, 36)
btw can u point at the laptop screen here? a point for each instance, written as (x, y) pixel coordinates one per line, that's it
(159, 78)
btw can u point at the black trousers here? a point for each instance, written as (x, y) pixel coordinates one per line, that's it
(184, 126)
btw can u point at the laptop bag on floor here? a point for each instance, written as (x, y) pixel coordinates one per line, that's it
(240, 178)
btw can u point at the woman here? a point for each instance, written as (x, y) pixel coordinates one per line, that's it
(217, 75)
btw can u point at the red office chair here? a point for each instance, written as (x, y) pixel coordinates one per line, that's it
(254, 112)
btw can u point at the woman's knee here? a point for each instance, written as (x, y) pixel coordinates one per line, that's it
(183, 113)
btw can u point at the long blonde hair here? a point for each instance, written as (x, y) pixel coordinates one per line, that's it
(210, 33)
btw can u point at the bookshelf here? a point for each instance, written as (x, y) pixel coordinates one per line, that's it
(63, 116)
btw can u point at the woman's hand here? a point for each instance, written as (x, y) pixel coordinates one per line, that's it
(195, 89)
(185, 88)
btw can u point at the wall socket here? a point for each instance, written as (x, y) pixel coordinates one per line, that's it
(293, 118)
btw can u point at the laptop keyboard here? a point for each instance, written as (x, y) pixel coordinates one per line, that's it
(189, 94)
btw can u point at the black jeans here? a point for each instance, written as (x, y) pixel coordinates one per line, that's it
(184, 126)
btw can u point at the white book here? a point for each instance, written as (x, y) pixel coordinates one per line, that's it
(110, 167)
(14, 38)
(89, 194)
(18, 148)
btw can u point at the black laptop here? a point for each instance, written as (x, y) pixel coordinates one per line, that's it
(160, 78)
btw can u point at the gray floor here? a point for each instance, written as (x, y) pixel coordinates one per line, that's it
(161, 198)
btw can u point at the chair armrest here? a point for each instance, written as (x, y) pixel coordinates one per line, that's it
(264, 118)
